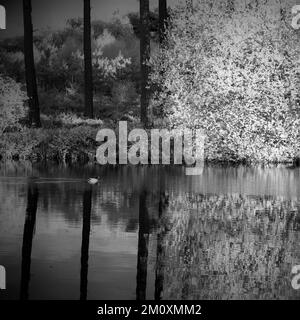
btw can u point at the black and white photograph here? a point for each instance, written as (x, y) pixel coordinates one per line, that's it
(149, 151)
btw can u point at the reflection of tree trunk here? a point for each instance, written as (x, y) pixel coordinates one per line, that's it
(30, 75)
(86, 227)
(144, 57)
(159, 275)
(88, 69)
(187, 256)
(162, 19)
(143, 243)
(32, 200)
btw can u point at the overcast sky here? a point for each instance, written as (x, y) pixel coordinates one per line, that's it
(54, 13)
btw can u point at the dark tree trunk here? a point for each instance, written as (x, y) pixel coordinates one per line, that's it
(88, 70)
(32, 200)
(143, 243)
(163, 14)
(33, 101)
(159, 267)
(86, 227)
(144, 56)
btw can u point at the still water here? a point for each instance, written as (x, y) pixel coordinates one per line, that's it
(149, 232)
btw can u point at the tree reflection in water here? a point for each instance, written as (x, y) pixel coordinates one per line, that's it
(231, 247)
(30, 218)
(86, 227)
(143, 243)
(159, 267)
(233, 233)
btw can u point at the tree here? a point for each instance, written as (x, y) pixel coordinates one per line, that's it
(88, 71)
(144, 58)
(29, 226)
(134, 18)
(234, 75)
(143, 244)
(162, 19)
(12, 109)
(86, 228)
(159, 266)
(33, 101)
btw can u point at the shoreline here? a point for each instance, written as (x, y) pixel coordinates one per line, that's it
(77, 144)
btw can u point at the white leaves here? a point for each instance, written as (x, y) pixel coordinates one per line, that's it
(12, 100)
(242, 69)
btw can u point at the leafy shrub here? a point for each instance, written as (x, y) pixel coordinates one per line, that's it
(12, 64)
(74, 143)
(124, 92)
(234, 74)
(61, 144)
(12, 108)
(21, 144)
(55, 101)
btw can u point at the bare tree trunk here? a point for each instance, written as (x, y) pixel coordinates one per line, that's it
(163, 14)
(159, 266)
(32, 201)
(143, 243)
(86, 227)
(33, 101)
(144, 56)
(88, 69)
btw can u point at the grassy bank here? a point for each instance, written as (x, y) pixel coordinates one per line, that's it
(77, 143)
(60, 144)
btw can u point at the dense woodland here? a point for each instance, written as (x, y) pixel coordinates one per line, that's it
(227, 67)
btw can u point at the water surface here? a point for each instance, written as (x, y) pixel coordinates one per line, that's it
(149, 232)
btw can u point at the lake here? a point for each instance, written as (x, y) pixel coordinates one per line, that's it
(149, 232)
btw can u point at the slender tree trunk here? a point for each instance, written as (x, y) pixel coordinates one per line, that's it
(144, 56)
(34, 109)
(32, 200)
(88, 70)
(86, 227)
(159, 267)
(143, 243)
(163, 14)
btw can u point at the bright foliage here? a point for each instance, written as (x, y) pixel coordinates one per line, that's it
(234, 73)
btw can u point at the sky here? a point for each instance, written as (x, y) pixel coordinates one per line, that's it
(54, 13)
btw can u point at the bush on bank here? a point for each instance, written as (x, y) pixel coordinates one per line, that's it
(235, 74)
(60, 144)
(12, 106)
